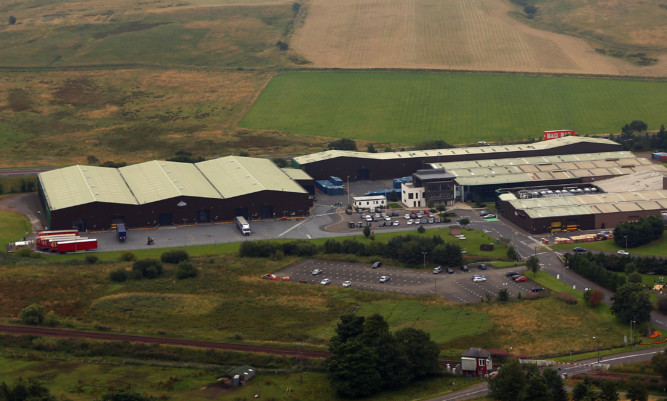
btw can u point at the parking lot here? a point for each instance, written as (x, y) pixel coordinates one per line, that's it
(457, 287)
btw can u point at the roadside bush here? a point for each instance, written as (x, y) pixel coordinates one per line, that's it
(146, 268)
(503, 295)
(119, 275)
(174, 257)
(332, 246)
(421, 230)
(128, 257)
(51, 319)
(26, 253)
(257, 249)
(635, 278)
(299, 248)
(567, 298)
(186, 270)
(32, 314)
(92, 259)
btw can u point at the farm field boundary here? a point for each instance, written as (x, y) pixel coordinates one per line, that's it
(407, 108)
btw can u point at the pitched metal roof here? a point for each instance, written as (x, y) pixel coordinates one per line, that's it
(297, 174)
(158, 180)
(79, 185)
(551, 144)
(235, 176)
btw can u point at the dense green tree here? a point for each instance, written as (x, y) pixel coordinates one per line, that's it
(422, 353)
(512, 253)
(634, 277)
(636, 391)
(580, 391)
(464, 221)
(21, 392)
(537, 389)
(555, 385)
(352, 369)
(503, 295)
(509, 383)
(631, 302)
(608, 390)
(367, 231)
(343, 144)
(659, 364)
(533, 264)
(33, 314)
(280, 162)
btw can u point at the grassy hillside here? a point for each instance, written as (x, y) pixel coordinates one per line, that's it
(406, 108)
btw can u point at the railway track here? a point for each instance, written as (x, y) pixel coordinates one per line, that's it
(93, 335)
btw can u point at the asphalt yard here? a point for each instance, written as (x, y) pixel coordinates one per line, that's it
(458, 287)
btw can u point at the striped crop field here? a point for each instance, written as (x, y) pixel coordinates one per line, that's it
(408, 108)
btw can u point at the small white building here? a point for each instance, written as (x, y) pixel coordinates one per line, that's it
(411, 196)
(367, 202)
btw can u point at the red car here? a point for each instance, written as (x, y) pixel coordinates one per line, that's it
(521, 279)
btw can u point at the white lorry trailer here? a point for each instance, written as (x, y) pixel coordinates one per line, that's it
(243, 225)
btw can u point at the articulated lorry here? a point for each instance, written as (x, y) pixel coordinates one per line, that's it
(243, 225)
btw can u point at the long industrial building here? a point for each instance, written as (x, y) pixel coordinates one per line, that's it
(375, 166)
(159, 193)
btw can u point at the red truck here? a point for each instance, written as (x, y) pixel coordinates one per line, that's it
(44, 242)
(82, 244)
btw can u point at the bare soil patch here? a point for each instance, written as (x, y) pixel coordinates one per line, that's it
(456, 34)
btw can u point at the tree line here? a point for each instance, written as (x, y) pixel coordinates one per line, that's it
(638, 232)
(407, 249)
(367, 358)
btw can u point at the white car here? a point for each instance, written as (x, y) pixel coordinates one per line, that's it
(387, 218)
(461, 237)
(369, 218)
(317, 271)
(396, 223)
(384, 279)
(347, 283)
(410, 222)
(407, 216)
(326, 281)
(477, 278)
(622, 252)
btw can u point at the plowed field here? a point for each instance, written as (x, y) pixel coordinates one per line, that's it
(449, 34)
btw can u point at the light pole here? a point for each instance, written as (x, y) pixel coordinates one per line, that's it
(598, 349)
(626, 242)
(424, 253)
(632, 331)
(348, 191)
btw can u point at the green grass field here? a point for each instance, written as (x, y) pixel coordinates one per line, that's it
(13, 228)
(407, 108)
(655, 248)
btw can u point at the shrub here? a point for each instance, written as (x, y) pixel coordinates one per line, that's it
(596, 297)
(26, 253)
(635, 278)
(186, 270)
(51, 319)
(128, 257)
(421, 230)
(174, 257)
(33, 314)
(92, 259)
(119, 275)
(503, 295)
(567, 298)
(148, 268)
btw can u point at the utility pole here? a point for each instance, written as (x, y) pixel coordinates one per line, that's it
(348, 190)
(424, 253)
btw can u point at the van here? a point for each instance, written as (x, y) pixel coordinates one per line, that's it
(437, 270)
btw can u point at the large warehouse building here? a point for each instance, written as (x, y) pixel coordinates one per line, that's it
(586, 207)
(377, 166)
(478, 180)
(159, 193)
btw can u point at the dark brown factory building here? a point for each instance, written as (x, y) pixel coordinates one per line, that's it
(160, 193)
(376, 166)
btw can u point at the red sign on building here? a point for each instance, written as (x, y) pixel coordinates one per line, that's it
(558, 134)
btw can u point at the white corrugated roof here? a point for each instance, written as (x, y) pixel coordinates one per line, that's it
(79, 185)
(554, 143)
(236, 176)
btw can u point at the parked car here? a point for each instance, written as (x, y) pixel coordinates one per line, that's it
(521, 279)
(484, 213)
(461, 237)
(407, 216)
(578, 249)
(347, 283)
(438, 220)
(465, 269)
(395, 214)
(326, 281)
(510, 274)
(437, 270)
(431, 220)
(490, 216)
(369, 224)
(410, 222)
(396, 223)
(476, 278)
(516, 276)
(381, 224)
(369, 218)
(317, 271)
(348, 211)
(481, 266)
(351, 224)
(360, 224)
(424, 221)
(376, 265)
(376, 218)
(537, 290)
(450, 270)
(387, 218)
(413, 216)
(384, 279)
(622, 252)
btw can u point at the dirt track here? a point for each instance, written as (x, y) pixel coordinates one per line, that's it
(92, 335)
